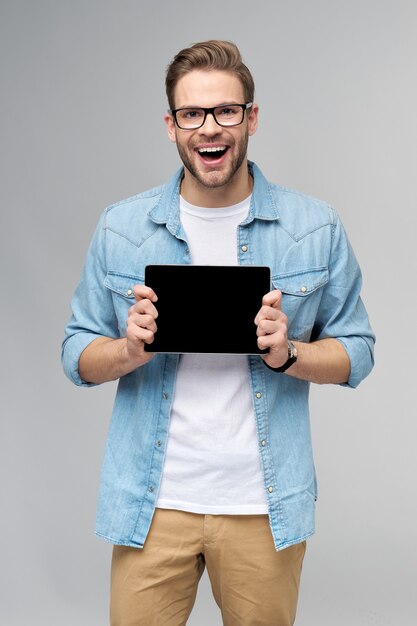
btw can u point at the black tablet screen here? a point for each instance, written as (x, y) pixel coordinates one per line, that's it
(207, 308)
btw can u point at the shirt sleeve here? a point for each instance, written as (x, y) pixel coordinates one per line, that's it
(93, 313)
(342, 314)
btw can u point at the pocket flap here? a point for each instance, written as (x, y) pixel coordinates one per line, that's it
(122, 283)
(302, 282)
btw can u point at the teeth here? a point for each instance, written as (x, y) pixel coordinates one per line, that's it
(213, 149)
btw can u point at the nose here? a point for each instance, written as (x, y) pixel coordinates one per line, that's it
(210, 126)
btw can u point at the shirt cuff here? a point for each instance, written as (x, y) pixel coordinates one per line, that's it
(71, 352)
(360, 353)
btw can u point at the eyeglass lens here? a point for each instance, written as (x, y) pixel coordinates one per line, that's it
(229, 115)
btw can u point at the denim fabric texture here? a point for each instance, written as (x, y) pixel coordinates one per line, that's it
(303, 242)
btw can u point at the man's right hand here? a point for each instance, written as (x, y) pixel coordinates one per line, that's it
(107, 359)
(141, 322)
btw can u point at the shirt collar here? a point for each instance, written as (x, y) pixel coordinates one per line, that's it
(166, 211)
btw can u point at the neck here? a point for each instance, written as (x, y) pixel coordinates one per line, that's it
(233, 192)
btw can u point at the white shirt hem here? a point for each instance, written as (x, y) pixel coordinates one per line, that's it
(204, 509)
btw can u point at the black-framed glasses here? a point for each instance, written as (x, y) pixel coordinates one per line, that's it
(190, 118)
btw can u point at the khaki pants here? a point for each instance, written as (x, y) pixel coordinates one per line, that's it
(253, 584)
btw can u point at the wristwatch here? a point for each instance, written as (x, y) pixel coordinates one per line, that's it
(292, 357)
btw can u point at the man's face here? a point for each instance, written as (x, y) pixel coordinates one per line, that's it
(211, 88)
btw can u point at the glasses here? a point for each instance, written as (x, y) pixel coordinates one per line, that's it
(190, 118)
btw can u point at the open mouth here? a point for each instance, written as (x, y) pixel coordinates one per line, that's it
(212, 153)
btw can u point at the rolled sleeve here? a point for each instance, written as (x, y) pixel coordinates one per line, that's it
(93, 313)
(72, 348)
(360, 351)
(342, 314)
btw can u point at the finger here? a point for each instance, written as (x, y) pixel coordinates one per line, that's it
(268, 327)
(144, 321)
(142, 292)
(144, 307)
(139, 335)
(273, 299)
(149, 337)
(267, 313)
(141, 329)
(275, 341)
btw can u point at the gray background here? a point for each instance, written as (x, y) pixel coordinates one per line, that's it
(82, 101)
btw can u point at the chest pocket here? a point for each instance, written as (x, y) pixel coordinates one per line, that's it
(121, 287)
(301, 295)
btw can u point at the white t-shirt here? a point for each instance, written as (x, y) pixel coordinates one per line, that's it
(212, 462)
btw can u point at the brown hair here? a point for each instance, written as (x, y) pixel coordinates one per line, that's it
(209, 55)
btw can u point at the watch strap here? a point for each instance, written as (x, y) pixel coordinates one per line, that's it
(292, 358)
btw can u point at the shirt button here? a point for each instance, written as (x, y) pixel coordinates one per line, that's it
(258, 395)
(263, 442)
(165, 395)
(270, 489)
(129, 292)
(244, 248)
(151, 488)
(303, 289)
(159, 443)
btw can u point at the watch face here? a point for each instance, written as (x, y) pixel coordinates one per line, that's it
(292, 351)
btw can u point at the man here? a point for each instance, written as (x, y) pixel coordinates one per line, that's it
(208, 460)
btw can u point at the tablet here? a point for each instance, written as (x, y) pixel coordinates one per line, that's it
(207, 308)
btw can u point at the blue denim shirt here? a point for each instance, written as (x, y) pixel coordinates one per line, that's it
(312, 263)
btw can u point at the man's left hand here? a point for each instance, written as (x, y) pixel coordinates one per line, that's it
(272, 326)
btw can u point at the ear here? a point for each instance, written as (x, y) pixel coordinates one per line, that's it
(253, 119)
(171, 130)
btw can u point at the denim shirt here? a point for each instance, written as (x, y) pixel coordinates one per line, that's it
(312, 263)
